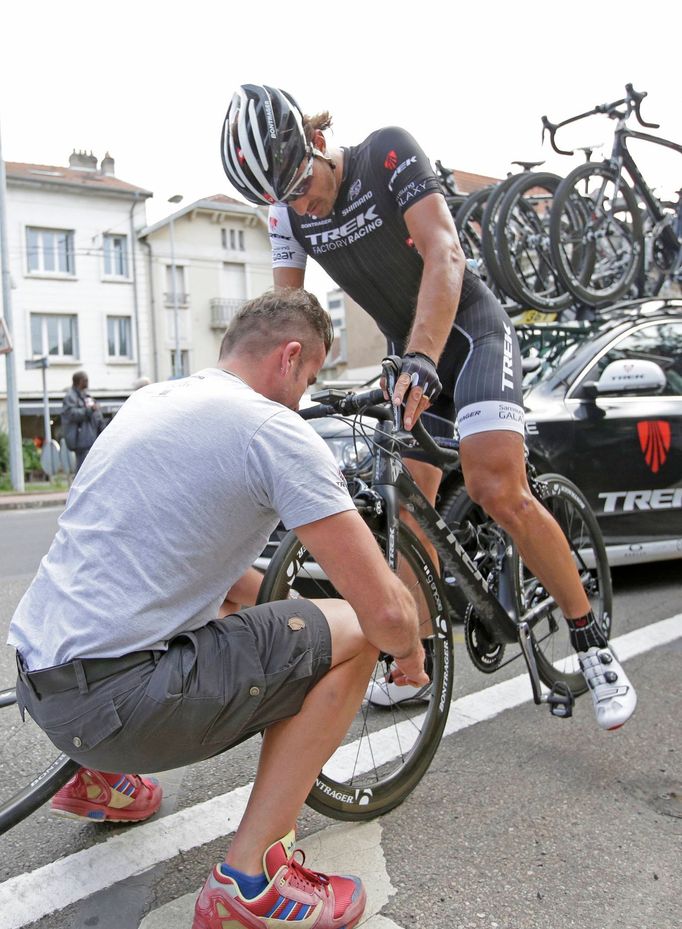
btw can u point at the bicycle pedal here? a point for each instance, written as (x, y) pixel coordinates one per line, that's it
(561, 700)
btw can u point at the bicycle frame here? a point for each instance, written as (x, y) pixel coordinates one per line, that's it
(621, 156)
(395, 487)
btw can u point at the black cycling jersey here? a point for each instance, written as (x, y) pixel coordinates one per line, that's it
(365, 247)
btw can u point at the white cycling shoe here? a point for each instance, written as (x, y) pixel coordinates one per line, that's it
(613, 695)
(383, 693)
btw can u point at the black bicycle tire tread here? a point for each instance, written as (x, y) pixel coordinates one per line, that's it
(398, 787)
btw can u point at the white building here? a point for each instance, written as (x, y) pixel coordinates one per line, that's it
(222, 257)
(78, 283)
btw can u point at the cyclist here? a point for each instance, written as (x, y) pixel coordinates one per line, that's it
(127, 668)
(374, 217)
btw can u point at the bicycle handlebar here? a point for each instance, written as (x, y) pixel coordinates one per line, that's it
(373, 403)
(632, 102)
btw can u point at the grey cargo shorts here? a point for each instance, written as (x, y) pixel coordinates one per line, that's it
(211, 689)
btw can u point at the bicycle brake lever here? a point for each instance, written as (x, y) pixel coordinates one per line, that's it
(636, 98)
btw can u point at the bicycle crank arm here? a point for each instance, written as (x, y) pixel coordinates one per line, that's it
(559, 699)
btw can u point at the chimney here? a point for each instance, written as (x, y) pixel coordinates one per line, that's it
(107, 165)
(81, 161)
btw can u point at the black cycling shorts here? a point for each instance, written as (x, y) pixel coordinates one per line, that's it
(480, 370)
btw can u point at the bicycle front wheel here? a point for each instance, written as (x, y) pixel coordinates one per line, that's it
(555, 656)
(387, 749)
(596, 234)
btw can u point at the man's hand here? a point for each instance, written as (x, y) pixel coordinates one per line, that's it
(410, 669)
(418, 386)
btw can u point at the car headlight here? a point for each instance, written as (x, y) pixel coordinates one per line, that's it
(353, 454)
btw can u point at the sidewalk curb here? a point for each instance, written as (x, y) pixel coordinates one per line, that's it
(31, 501)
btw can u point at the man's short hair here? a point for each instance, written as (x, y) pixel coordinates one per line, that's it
(281, 315)
(78, 378)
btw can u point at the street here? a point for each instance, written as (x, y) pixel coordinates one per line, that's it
(523, 821)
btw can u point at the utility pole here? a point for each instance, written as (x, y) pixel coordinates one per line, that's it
(16, 459)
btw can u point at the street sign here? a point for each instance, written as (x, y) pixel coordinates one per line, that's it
(5, 340)
(43, 362)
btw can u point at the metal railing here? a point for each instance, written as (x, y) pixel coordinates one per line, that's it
(223, 309)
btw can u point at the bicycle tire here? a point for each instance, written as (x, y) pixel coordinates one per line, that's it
(31, 769)
(554, 654)
(377, 766)
(522, 243)
(488, 239)
(468, 223)
(600, 258)
(483, 539)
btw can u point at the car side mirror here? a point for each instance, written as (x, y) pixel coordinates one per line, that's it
(588, 391)
(634, 376)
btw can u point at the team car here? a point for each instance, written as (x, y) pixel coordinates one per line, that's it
(603, 402)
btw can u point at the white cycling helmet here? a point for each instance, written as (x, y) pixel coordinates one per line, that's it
(263, 143)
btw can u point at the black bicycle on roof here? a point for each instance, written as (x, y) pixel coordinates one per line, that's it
(507, 614)
(608, 238)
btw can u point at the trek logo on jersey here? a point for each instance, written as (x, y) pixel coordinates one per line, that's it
(355, 189)
(400, 169)
(274, 223)
(391, 161)
(654, 440)
(508, 360)
(356, 228)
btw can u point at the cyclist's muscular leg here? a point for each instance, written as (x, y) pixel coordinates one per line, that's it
(494, 469)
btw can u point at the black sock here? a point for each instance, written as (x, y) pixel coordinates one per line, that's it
(586, 633)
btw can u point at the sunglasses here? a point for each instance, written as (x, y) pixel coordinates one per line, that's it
(302, 183)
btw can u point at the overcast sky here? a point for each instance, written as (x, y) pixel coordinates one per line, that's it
(150, 81)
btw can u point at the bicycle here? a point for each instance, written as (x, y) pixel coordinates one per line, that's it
(483, 582)
(617, 237)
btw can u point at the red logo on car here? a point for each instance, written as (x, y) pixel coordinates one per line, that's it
(654, 440)
(391, 161)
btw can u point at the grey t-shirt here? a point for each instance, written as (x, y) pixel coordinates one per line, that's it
(176, 499)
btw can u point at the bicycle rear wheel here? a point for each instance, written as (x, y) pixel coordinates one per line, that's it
(555, 656)
(596, 234)
(31, 768)
(387, 750)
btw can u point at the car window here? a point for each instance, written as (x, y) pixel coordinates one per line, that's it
(660, 342)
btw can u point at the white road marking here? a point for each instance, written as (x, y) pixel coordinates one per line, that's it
(346, 848)
(77, 876)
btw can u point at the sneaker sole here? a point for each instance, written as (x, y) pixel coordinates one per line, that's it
(100, 816)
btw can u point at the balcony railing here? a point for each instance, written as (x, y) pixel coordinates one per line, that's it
(223, 309)
(183, 299)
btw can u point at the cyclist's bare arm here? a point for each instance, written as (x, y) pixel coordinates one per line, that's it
(434, 235)
(288, 277)
(347, 551)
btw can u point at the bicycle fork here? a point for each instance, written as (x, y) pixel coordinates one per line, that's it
(560, 699)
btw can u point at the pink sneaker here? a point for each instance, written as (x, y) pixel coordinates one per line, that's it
(294, 894)
(97, 797)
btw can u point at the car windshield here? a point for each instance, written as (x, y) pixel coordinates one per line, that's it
(545, 348)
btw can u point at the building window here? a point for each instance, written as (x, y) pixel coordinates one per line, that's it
(233, 238)
(50, 251)
(184, 363)
(176, 287)
(54, 335)
(116, 255)
(119, 341)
